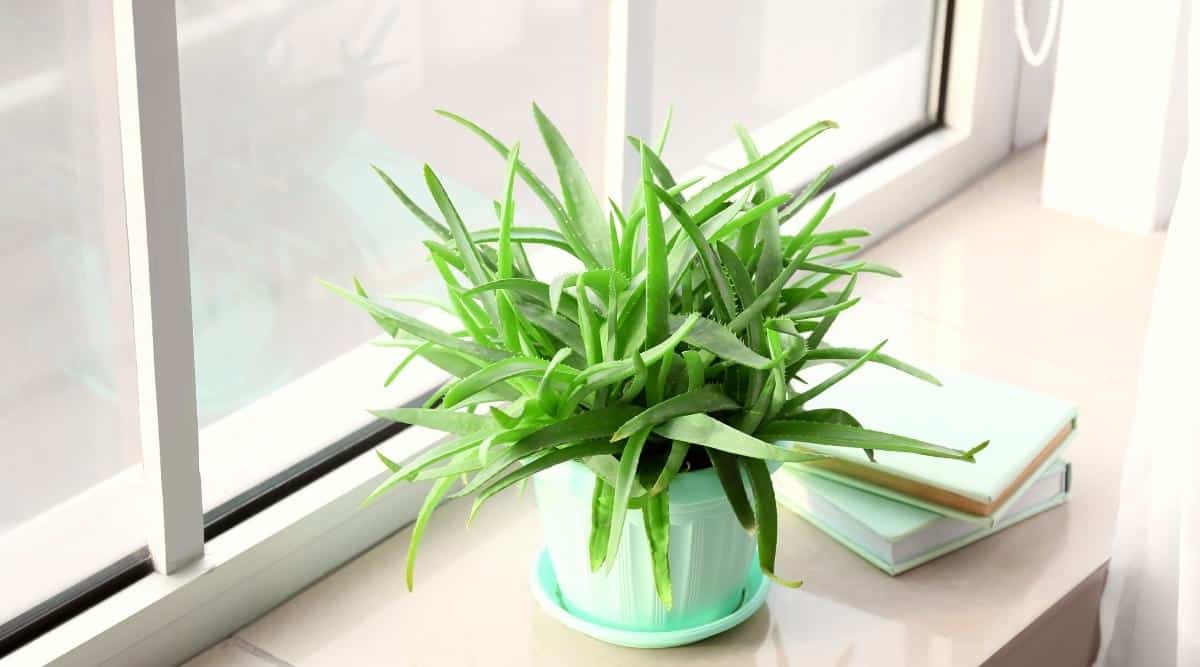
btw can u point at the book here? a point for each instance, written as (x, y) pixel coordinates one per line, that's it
(895, 536)
(1026, 431)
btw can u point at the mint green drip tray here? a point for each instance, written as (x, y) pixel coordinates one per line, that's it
(545, 591)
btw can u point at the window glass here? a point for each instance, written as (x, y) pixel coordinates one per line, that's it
(286, 105)
(69, 456)
(776, 66)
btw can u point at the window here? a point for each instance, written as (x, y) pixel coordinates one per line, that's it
(67, 396)
(775, 65)
(282, 107)
(285, 107)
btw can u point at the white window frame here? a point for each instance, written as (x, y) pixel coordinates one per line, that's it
(202, 592)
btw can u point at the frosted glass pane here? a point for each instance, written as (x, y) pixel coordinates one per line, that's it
(286, 105)
(69, 452)
(776, 66)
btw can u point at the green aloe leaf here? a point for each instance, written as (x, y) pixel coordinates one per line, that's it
(870, 267)
(398, 321)
(726, 467)
(509, 325)
(657, 280)
(804, 237)
(591, 425)
(837, 251)
(546, 395)
(827, 416)
(657, 521)
(660, 170)
(707, 431)
(529, 288)
(384, 323)
(682, 254)
(661, 144)
(695, 364)
(460, 365)
(387, 462)
(839, 435)
(659, 384)
(432, 500)
(459, 423)
(416, 352)
(419, 213)
(818, 334)
(609, 372)
(542, 462)
(842, 374)
(743, 287)
(671, 467)
(837, 236)
(501, 371)
(409, 471)
(439, 452)
(831, 309)
(708, 257)
(561, 328)
(472, 262)
(504, 249)
(589, 327)
(758, 405)
(768, 518)
(631, 319)
(763, 303)
(852, 353)
(626, 478)
(831, 416)
(534, 235)
(705, 202)
(557, 288)
(641, 375)
(806, 195)
(602, 502)
(760, 210)
(770, 262)
(584, 214)
(544, 193)
(703, 400)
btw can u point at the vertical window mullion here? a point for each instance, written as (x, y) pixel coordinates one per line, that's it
(629, 96)
(147, 62)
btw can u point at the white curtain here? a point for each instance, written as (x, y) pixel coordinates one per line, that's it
(1150, 614)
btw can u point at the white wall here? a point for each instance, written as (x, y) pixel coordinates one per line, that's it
(1117, 132)
(1036, 86)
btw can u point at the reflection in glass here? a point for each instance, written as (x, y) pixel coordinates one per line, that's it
(286, 104)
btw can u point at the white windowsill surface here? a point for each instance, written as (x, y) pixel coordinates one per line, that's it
(994, 285)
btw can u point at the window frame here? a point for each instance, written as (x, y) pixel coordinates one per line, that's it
(214, 572)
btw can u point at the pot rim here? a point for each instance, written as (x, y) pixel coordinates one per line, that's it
(691, 491)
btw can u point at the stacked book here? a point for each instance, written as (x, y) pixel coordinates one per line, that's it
(905, 510)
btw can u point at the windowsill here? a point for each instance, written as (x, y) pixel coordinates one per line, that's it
(979, 296)
(236, 453)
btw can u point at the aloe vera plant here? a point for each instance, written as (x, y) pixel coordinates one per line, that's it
(679, 342)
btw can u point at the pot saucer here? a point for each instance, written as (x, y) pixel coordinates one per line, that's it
(545, 591)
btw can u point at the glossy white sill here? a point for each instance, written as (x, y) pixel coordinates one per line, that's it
(994, 285)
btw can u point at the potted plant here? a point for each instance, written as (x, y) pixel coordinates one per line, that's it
(650, 391)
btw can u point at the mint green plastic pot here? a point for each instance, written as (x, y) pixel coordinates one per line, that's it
(710, 554)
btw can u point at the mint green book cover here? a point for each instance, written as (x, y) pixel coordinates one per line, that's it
(896, 536)
(963, 412)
